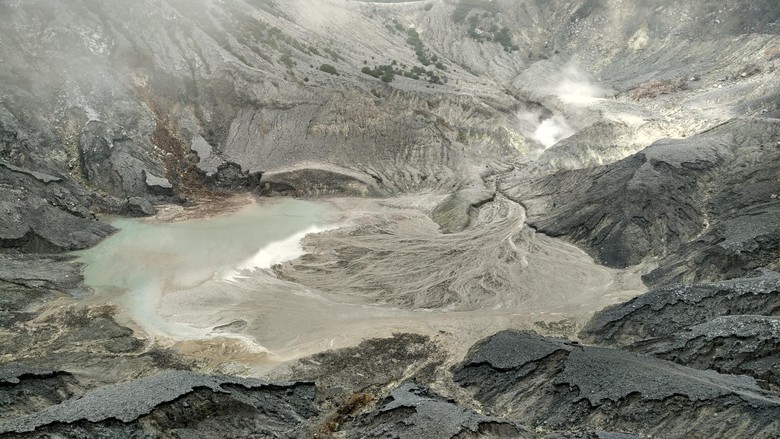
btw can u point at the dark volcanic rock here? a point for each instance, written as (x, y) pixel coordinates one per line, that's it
(733, 248)
(45, 178)
(596, 434)
(230, 176)
(726, 326)
(716, 188)
(45, 217)
(15, 300)
(745, 345)
(369, 365)
(664, 311)
(500, 351)
(563, 386)
(413, 412)
(50, 272)
(157, 185)
(80, 338)
(112, 161)
(138, 206)
(319, 180)
(87, 339)
(177, 401)
(25, 389)
(11, 373)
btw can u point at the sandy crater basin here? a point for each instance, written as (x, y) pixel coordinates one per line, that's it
(279, 279)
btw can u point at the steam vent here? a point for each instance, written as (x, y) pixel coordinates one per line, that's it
(396, 219)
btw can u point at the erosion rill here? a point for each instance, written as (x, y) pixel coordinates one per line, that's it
(513, 218)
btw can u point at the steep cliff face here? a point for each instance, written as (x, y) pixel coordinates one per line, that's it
(169, 98)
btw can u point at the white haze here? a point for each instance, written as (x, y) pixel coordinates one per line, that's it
(546, 130)
(573, 88)
(577, 89)
(551, 130)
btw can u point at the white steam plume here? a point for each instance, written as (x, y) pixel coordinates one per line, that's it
(574, 89)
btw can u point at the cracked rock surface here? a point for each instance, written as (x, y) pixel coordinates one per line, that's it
(562, 385)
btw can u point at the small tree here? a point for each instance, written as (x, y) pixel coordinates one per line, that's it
(388, 76)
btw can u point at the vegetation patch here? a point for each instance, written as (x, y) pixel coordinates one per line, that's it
(352, 405)
(327, 68)
(388, 72)
(656, 88)
(413, 39)
(465, 7)
(483, 22)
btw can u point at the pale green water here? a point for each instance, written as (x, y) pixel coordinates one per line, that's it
(146, 259)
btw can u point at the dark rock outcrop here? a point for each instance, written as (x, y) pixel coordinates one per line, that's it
(43, 273)
(13, 373)
(711, 198)
(41, 215)
(176, 402)
(318, 179)
(347, 370)
(138, 206)
(740, 345)
(733, 248)
(413, 412)
(559, 385)
(67, 336)
(665, 311)
(729, 326)
(229, 176)
(25, 390)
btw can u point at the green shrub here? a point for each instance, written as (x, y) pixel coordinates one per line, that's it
(465, 6)
(327, 68)
(287, 60)
(388, 76)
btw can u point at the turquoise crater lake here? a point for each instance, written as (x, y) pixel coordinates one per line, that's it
(148, 261)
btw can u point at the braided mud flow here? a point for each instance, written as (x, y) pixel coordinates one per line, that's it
(281, 279)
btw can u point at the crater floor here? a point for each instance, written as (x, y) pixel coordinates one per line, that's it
(279, 279)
